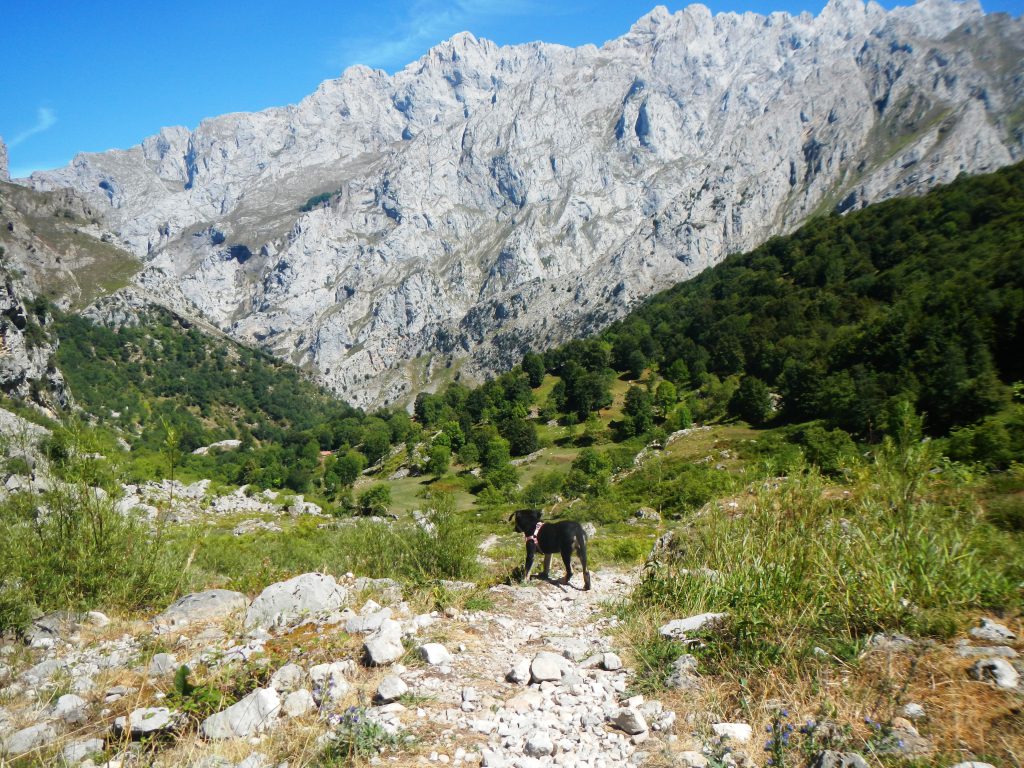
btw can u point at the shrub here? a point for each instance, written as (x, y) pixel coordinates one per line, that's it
(70, 549)
(375, 500)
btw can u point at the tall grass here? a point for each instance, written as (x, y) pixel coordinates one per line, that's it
(404, 551)
(811, 566)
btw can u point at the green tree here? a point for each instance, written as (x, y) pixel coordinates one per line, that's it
(638, 411)
(752, 401)
(375, 500)
(589, 474)
(438, 459)
(665, 397)
(533, 366)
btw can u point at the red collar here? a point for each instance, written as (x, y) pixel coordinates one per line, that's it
(533, 538)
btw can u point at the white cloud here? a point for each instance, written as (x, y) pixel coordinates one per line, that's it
(427, 23)
(46, 118)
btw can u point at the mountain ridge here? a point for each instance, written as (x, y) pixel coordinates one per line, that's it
(484, 200)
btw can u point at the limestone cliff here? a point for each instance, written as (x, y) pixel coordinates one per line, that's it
(387, 230)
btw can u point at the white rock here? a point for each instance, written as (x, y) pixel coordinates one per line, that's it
(689, 759)
(434, 654)
(539, 744)
(679, 628)
(298, 703)
(520, 672)
(290, 677)
(162, 664)
(391, 687)
(72, 709)
(993, 632)
(330, 683)
(367, 622)
(34, 737)
(77, 751)
(738, 733)
(999, 671)
(385, 645)
(611, 662)
(290, 601)
(629, 720)
(147, 721)
(211, 605)
(97, 619)
(913, 711)
(545, 666)
(254, 714)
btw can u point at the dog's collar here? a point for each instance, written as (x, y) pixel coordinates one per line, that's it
(533, 538)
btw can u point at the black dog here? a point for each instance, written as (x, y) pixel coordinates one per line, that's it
(547, 538)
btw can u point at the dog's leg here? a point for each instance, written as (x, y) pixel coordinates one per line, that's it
(582, 551)
(567, 559)
(529, 563)
(547, 565)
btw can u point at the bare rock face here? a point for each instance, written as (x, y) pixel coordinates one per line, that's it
(484, 200)
(5, 173)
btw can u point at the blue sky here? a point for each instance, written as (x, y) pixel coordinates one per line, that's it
(88, 76)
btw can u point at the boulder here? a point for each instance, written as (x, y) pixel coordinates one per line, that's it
(330, 683)
(738, 733)
(998, 671)
(148, 721)
(34, 737)
(254, 714)
(391, 688)
(290, 601)
(629, 720)
(71, 709)
(211, 605)
(51, 627)
(385, 645)
(367, 622)
(546, 666)
(611, 662)
(290, 677)
(77, 751)
(298, 703)
(992, 632)
(520, 672)
(539, 744)
(434, 654)
(678, 629)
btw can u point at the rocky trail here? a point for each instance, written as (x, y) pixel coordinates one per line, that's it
(317, 671)
(533, 678)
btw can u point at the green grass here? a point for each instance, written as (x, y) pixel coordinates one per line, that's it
(391, 549)
(808, 567)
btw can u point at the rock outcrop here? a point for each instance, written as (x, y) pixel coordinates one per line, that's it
(5, 171)
(488, 199)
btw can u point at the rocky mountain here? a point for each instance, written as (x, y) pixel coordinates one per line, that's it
(387, 231)
(52, 249)
(5, 174)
